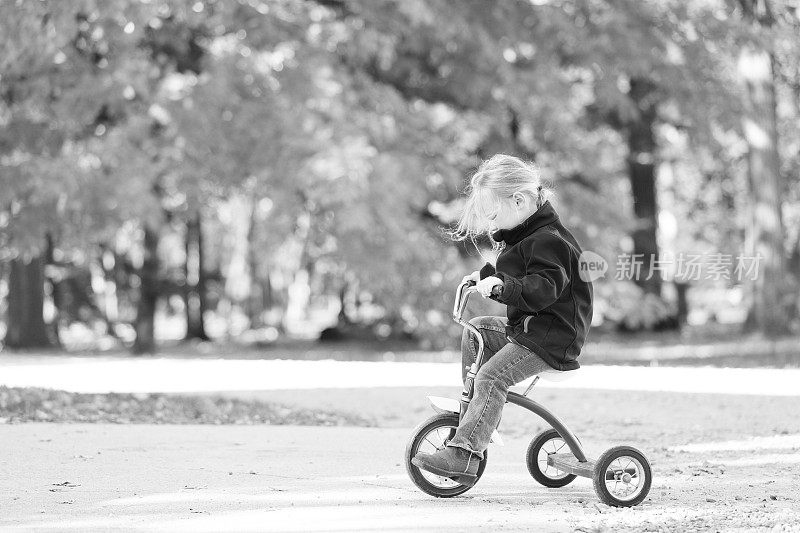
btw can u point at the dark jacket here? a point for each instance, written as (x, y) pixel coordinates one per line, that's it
(549, 305)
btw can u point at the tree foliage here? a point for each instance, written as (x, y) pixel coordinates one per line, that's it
(346, 128)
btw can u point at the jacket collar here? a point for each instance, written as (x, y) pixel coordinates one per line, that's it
(543, 216)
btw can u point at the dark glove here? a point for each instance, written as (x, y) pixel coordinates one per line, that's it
(486, 271)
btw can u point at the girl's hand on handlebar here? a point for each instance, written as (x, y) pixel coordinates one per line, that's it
(475, 276)
(486, 285)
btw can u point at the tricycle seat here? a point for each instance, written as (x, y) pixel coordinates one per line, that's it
(558, 375)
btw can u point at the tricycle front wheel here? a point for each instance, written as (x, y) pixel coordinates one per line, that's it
(428, 437)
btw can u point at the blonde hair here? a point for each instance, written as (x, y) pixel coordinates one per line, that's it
(499, 177)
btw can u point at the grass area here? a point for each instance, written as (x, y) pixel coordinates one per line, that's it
(46, 405)
(648, 419)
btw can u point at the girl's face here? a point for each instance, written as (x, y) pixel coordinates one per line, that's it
(507, 213)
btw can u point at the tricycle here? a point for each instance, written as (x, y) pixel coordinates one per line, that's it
(555, 457)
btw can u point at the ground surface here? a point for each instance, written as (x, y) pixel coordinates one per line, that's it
(722, 461)
(710, 474)
(260, 478)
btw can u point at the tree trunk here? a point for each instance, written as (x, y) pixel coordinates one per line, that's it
(55, 289)
(266, 292)
(681, 288)
(343, 318)
(642, 172)
(770, 298)
(254, 306)
(794, 275)
(26, 328)
(195, 295)
(148, 295)
(109, 261)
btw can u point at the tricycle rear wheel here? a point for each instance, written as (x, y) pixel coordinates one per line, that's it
(622, 476)
(546, 443)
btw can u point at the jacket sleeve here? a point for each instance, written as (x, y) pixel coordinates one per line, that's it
(547, 276)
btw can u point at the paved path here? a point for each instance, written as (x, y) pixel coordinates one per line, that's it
(261, 478)
(106, 374)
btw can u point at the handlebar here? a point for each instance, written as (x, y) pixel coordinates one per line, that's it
(465, 288)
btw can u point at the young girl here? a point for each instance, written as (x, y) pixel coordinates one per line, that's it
(548, 305)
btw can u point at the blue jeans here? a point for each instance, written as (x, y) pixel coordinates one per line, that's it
(505, 363)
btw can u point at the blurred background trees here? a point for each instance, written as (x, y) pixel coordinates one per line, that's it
(257, 170)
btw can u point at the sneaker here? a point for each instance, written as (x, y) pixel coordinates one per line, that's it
(458, 464)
